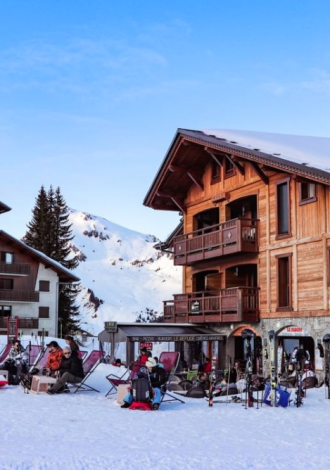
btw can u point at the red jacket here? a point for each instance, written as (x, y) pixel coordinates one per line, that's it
(54, 359)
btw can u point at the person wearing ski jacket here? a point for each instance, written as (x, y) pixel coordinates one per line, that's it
(16, 362)
(54, 358)
(70, 371)
(157, 377)
(73, 345)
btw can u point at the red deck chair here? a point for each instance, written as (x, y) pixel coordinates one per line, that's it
(82, 354)
(170, 361)
(42, 360)
(5, 352)
(115, 380)
(90, 364)
(33, 352)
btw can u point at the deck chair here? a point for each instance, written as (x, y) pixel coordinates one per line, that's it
(33, 352)
(5, 352)
(126, 378)
(82, 354)
(90, 364)
(170, 361)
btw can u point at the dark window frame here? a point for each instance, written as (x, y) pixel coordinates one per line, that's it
(283, 308)
(306, 200)
(2, 307)
(3, 257)
(287, 234)
(215, 172)
(43, 312)
(44, 286)
(8, 280)
(229, 168)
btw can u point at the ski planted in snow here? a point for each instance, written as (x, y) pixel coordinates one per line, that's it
(326, 342)
(212, 379)
(271, 337)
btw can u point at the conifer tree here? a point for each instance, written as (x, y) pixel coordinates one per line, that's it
(50, 232)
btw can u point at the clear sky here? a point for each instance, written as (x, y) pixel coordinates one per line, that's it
(92, 92)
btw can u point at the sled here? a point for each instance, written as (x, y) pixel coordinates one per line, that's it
(140, 405)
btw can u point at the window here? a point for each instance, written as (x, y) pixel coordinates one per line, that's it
(43, 312)
(284, 282)
(216, 175)
(44, 286)
(7, 258)
(5, 311)
(283, 209)
(307, 193)
(229, 168)
(6, 284)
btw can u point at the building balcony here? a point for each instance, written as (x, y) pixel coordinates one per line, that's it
(234, 236)
(237, 304)
(22, 323)
(19, 269)
(19, 296)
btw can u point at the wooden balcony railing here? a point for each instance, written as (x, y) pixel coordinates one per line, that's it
(19, 296)
(226, 305)
(235, 236)
(22, 269)
(22, 323)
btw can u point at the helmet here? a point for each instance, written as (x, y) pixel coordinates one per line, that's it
(151, 363)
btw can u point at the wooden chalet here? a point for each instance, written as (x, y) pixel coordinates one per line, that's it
(29, 288)
(254, 241)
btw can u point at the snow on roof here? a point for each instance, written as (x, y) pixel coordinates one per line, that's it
(46, 258)
(313, 152)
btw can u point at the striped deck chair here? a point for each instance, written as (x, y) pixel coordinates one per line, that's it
(170, 361)
(126, 378)
(5, 352)
(90, 364)
(33, 352)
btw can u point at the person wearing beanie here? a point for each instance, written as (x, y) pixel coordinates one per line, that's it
(157, 376)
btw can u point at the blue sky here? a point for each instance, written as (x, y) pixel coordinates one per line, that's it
(92, 92)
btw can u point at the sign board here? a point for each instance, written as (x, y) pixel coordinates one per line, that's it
(153, 339)
(293, 331)
(111, 326)
(146, 345)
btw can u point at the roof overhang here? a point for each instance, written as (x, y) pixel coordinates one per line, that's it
(190, 152)
(4, 208)
(160, 332)
(64, 274)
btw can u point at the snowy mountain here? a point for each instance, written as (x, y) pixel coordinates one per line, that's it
(123, 277)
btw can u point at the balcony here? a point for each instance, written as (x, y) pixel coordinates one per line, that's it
(234, 236)
(22, 323)
(19, 269)
(236, 304)
(19, 296)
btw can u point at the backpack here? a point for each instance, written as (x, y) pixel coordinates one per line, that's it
(141, 390)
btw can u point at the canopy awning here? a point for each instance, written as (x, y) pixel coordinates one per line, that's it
(159, 332)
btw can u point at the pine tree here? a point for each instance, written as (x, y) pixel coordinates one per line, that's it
(50, 232)
(37, 235)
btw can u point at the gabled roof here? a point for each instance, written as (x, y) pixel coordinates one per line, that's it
(307, 157)
(4, 208)
(64, 274)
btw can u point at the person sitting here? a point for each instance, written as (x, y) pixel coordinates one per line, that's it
(54, 358)
(207, 366)
(70, 371)
(157, 376)
(16, 363)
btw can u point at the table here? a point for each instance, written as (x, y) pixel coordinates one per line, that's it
(40, 383)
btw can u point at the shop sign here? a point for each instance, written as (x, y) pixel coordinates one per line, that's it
(110, 326)
(146, 345)
(293, 331)
(153, 339)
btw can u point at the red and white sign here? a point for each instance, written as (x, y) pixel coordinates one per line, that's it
(293, 331)
(146, 345)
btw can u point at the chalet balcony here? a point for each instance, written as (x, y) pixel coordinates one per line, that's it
(19, 269)
(232, 305)
(19, 296)
(22, 323)
(234, 236)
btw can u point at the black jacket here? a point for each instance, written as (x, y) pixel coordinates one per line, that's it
(73, 365)
(157, 376)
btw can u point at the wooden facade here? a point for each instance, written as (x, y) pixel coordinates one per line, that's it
(255, 227)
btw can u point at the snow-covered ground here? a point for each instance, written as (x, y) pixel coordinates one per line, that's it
(86, 431)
